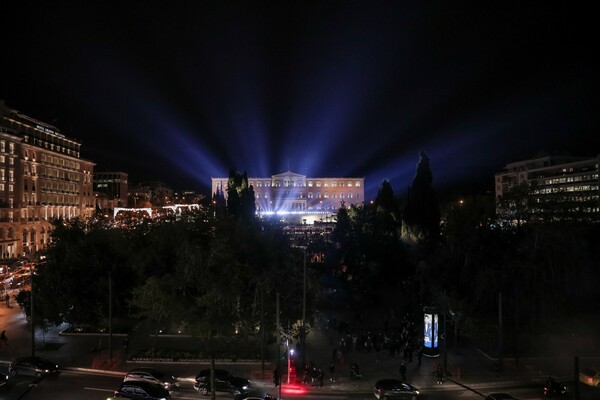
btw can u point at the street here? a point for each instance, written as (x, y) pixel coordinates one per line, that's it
(90, 386)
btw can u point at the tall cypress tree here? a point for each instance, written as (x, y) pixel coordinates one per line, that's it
(421, 216)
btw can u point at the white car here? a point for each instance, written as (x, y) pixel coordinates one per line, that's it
(151, 375)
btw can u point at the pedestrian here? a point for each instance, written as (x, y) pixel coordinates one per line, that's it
(7, 299)
(314, 376)
(320, 376)
(332, 372)
(403, 371)
(440, 374)
(3, 338)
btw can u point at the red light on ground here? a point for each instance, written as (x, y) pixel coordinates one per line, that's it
(290, 388)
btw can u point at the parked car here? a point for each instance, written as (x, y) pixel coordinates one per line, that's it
(395, 389)
(224, 382)
(35, 366)
(254, 395)
(151, 375)
(590, 377)
(142, 390)
(499, 396)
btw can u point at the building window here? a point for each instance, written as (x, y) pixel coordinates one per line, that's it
(11, 188)
(357, 183)
(310, 184)
(3, 146)
(342, 184)
(11, 148)
(318, 183)
(349, 184)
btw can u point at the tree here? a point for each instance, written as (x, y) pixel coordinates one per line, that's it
(421, 216)
(73, 281)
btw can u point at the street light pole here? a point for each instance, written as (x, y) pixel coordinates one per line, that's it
(304, 312)
(31, 314)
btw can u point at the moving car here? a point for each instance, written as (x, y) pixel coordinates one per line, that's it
(142, 390)
(499, 396)
(35, 366)
(589, 377)
(254, 395)
(395, 389)
(151, 375)
(224, 382)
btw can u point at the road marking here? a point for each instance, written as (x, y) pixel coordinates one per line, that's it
(99, 389)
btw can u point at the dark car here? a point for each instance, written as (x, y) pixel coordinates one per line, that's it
(142, 390)
(34, 366)
(395, 389)
(224, 382)
(151, 375)
(254, 395)
(3, 379)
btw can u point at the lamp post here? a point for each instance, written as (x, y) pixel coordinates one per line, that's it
(31, 315)
(304, 310)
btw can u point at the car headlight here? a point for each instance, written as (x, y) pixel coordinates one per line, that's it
(245, 387)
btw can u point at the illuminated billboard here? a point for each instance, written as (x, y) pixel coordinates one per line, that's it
(430, 333)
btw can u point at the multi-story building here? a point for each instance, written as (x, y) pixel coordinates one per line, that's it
(110, 189)
(290, 193)
(42, 178)
(156, 194)
(559, 186)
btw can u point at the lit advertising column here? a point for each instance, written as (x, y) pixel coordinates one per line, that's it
(430, 332)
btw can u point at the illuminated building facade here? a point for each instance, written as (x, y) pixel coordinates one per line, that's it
(292, 193)
(42, 177)
(568, 185)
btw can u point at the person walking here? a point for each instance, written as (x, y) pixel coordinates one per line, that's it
(440, 374)
(403, 371)
(3, 339)
(320, 377)
(332, 372)
(7, 299)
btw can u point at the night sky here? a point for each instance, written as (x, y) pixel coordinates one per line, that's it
(187, 91)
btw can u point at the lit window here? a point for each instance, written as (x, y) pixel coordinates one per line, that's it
(318, 183)
(342, 184)
(349, 184)
(333, 184)
(310, 184)
(357, 183)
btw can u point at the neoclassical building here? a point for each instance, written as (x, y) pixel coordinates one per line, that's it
(42, 177)
(292, 193)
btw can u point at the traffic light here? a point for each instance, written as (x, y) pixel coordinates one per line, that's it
(276, 377)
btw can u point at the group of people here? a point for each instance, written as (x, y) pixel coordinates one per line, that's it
(313, 375)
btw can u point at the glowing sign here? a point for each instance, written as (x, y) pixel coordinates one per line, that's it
(430, 332)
